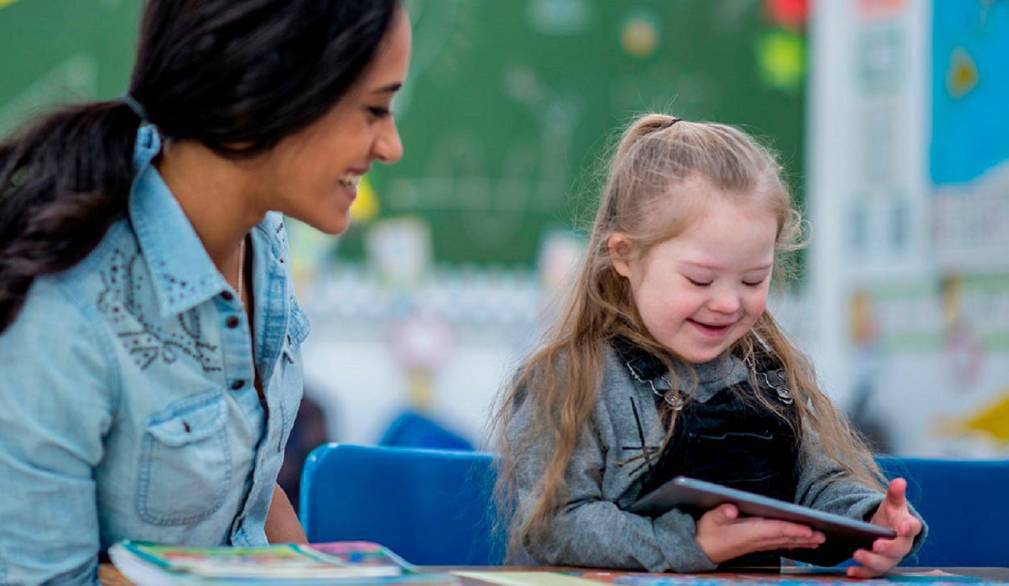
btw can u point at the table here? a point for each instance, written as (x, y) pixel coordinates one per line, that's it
(109, 576)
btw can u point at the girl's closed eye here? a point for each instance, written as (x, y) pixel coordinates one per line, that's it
(756, 283)
(698, 282)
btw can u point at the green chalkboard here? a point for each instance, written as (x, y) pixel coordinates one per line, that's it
(56, 51)
(509, 106)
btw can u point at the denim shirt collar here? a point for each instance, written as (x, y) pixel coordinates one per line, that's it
(181, 270)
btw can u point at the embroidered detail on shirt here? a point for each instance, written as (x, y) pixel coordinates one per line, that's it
(124, 278)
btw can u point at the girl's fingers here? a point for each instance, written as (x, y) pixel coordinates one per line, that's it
(874, 561)
(760, 529)
(911, 527)
(893, 548)
(860, 572)
(896, 492)
(793, 542)
(786, 544)
(728, 511)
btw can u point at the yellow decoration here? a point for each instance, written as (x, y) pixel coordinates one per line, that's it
(309, 249)
(781, 57)
(992, 419)
(4, 3)
(365, 206)
(860, 323)
(962, 76)
(639, 37)
(420, 388)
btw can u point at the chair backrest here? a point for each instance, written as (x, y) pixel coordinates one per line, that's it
(964, 505)
(432, 507)
(415, 430)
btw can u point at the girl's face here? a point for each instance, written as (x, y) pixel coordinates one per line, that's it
(701, 291)
(313, 174)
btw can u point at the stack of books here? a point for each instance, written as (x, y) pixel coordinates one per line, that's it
(356, 562)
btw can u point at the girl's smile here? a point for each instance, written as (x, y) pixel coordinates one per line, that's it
(702, 290)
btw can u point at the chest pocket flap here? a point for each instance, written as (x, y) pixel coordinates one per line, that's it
(191, 425)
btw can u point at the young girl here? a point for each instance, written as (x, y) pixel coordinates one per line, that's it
(666, 362)
(150, 364)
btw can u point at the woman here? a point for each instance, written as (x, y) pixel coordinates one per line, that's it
(149, 334)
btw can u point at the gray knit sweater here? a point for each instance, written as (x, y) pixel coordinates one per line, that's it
(592, 529)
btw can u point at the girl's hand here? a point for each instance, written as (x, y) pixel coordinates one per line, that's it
(723, 536)
(893, 512)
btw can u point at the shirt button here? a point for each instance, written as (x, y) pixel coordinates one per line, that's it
(237, 384)
(227, 296)
(231, 322)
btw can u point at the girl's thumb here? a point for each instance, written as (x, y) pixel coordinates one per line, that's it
(729, 511)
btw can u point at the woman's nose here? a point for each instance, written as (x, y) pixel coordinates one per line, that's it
(388, 147)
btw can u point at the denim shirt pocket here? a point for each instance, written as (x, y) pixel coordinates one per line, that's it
(185, 463)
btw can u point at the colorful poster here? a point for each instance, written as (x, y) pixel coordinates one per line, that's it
(968, 152)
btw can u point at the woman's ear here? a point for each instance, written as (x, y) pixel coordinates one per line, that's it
(620, 247)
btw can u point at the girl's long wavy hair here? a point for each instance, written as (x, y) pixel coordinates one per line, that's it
(643, 199)
(237, 76)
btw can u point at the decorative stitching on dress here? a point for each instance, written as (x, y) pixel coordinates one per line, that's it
(124, 279)
(645, 449)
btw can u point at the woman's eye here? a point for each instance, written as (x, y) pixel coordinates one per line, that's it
(698, 283)
(379, 112)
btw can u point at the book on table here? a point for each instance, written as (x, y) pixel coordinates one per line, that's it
(357, 562)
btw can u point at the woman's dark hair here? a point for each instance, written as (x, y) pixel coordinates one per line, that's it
(237, 76)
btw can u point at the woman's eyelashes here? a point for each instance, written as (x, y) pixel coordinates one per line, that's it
(379, 111)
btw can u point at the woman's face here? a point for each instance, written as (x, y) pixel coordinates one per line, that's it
(313, 174)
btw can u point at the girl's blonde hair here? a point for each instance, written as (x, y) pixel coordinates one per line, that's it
(642, 199)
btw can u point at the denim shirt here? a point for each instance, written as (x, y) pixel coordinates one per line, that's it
(127, 404)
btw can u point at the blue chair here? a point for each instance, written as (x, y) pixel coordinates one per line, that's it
(964, 505)
(414, 430)
(432, 507)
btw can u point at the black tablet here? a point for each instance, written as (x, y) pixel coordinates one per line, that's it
(683, 492)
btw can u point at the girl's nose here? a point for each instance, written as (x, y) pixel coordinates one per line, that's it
(724, 301)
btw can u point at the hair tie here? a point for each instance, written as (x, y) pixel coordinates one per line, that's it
(134, 105)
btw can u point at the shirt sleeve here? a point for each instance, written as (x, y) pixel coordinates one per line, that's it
(55, 408)
(825, 486)
(589, 530)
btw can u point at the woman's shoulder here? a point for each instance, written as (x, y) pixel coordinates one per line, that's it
(59, 325)
(74, 291)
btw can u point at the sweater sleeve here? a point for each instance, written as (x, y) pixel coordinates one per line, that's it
(825, 486)
(588, 530)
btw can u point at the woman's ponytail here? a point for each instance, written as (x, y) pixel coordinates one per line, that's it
(63, 180)
(237, 77)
